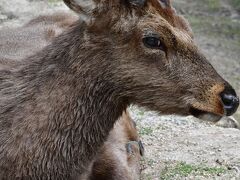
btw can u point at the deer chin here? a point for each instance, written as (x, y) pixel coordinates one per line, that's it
(204, 115)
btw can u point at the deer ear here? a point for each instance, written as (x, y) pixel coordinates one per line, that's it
(140, 3)
(165, 3)
(82, 7)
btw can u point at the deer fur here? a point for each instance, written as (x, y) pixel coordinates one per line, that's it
(57, 109)
(19, 43)
(119, 158)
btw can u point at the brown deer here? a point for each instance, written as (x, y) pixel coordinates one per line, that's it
(19, 43)
(119, 158)
(57, 110)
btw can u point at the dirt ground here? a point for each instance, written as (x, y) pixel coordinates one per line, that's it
(178, 148)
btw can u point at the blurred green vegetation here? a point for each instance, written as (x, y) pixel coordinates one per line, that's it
(213, 5)
(216, 5)
(216, 26)
(236, 4)
(145, 131)
(182, 170)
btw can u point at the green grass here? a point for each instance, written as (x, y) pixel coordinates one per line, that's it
(141, 113)
(145, 131)
(150, 162)
(215, 26)
(213, 5)
(206, 6)
(147, 177)
(184, 170)
(236, 4)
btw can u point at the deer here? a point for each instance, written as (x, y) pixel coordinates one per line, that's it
(19, 43)
(58, 108)
(119, 157)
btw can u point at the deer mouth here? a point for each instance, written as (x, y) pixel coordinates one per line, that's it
(221, 104)
(204, 115)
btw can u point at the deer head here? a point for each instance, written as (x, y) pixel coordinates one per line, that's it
(154, 57)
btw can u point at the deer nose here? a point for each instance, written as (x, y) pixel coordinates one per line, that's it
(230, 100)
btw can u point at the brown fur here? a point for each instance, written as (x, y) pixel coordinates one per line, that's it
(57, 110)
(113, 162)
(107, 164)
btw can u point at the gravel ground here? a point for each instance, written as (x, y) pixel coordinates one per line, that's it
(177, 147)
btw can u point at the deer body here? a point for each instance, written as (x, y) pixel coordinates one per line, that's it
(113, 161)
(120, 156)
(64, 108)
(57, 110)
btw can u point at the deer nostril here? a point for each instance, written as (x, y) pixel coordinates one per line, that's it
(230, 101)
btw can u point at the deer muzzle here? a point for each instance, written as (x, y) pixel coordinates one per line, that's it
(230, 100)
(220, 100)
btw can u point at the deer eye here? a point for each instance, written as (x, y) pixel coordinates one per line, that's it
(153, 42)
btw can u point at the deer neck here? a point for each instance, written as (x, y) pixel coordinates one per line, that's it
(90, 102)
(74, 101)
